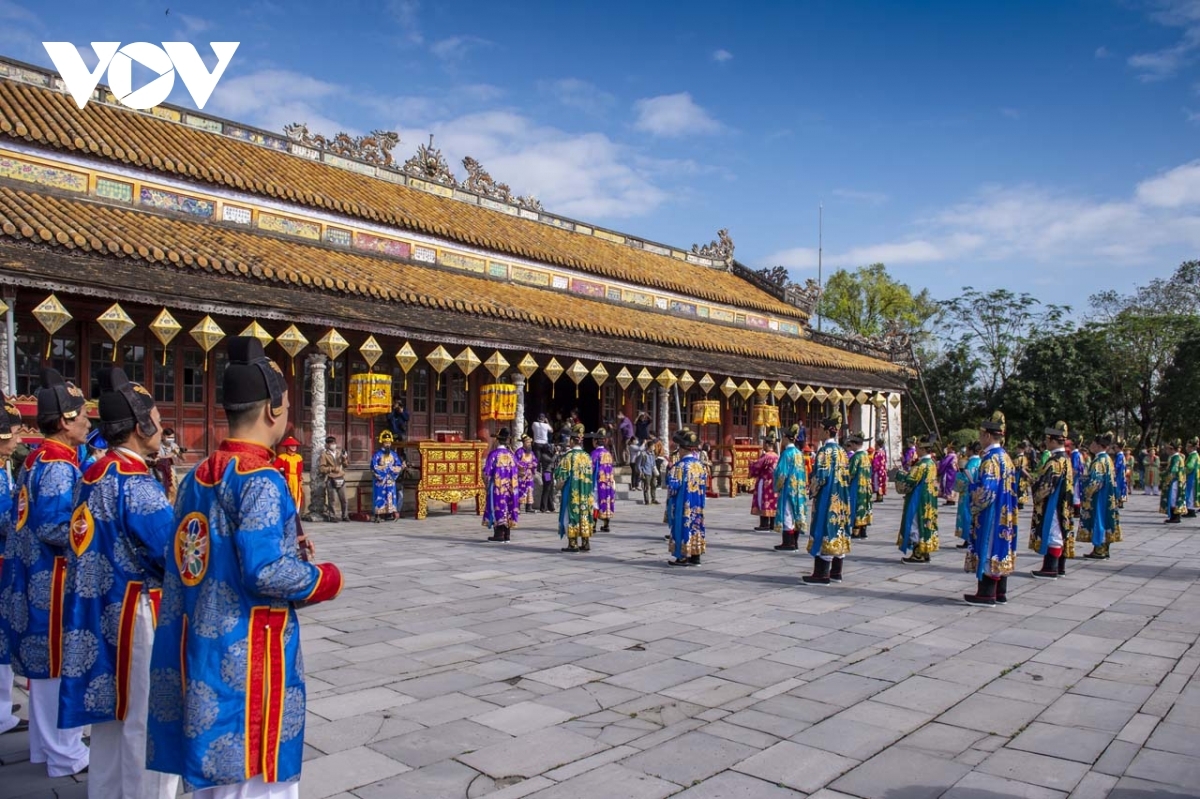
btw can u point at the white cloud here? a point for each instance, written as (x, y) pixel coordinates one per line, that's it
(1168, 61)
(870, 197)
(1039, 226)
(1172, 189)
(193, 25)
(456, 48)
(579, 94)
(406, 13)
(673, 115)
(13, 13)
(721, 56)
(1102, 52)
(273, 98)
(586, 176)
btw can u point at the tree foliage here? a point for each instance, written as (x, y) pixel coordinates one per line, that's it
(865, 300)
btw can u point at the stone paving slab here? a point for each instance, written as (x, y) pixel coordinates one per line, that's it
(453, 667)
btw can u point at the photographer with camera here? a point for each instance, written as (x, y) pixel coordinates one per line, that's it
(332, 466)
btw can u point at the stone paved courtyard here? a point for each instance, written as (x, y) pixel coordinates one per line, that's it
(451, 667)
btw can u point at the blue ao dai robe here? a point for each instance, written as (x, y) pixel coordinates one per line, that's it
(386, 466)
(1099, 518)
(993, 549)
(686, 486)
(791, 491)
(829, 534)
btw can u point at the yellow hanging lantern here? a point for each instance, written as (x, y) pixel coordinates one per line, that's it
(577, 371)
(894, 400)
(116, 324)
(706, 411)
(808, 393)
(794, 392)
(496, 364)
(821, 395)
(706, 383)
(292, 341)
(553, 371)
(165, 328)
(624, 378)
(372, 352)
(779, 390)
(468, 361)
(666, 379)
(765, 415)
(3, 307)
(207, 333)
(729, 388)
(406, 356)
(644, 379)
(762, 389)
(686, 381)
(745, 389)
(599, 374)
(333, 344)
(528, 366)
(439, 359)
(52, 315)
(255, 330)
(369, 395)
(498, 402)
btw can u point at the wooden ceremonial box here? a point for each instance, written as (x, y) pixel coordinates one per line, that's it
(743, 456)
(451, 471)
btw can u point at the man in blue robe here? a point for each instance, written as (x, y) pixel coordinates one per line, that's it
(686, 484)
(226, 676)
(791, 493)
(993, 551)
(829, 492)
(1052, 534)
(36, 571)
(10, 423)
(386, 467)
(1099, 518)
(120, 532)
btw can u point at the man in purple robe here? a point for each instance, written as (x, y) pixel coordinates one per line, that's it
(910, 454)
(527, 466)
(502, 480)
(605, 493)
(947, 473)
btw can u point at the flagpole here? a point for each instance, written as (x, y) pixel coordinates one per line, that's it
(820, 251)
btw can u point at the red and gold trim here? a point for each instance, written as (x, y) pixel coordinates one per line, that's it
(58, 585)
(129, 605)
(22, 507)
(155, 602)
(329, 584)
(265, 687)
(82, 530)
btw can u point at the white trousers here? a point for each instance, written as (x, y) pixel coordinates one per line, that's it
(119, 747)
(254, 789)
(7, 719)
(62, 751)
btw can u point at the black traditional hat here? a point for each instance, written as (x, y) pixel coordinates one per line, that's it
(502, 435)
(833, 421)
(577, 431)
(1059, 431)
(928, 442)
(57, 397)
(251, 376)
(855, 438)
(122, 400)
(599, 435)
(10, 418)
(1104, 439)
(994, 425)
(685, 439)
(792, 433)
(770, 439)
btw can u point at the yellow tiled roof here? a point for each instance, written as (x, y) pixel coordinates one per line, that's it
(104, 230)
(50, 118)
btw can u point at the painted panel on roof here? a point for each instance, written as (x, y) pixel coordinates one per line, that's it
(114, 190)
(425, 254)
(688, 308)
(254, 137)
(533, 277)
(179, 203)
(335, 235)
(497, 269)
(453, 259)
(236, 214)
(379, 244)
(42, 175)
(589, 288)
(288, 226)
(639, 298)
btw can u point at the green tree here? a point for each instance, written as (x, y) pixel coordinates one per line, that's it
(865, 300)
(952, 381)
(998, 327)
(1179, 397)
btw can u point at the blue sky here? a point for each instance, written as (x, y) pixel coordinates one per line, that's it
(1046, 147)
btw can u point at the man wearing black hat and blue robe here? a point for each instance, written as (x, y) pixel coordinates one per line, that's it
(10, 423)
(1052, 533)
(687, 482)
(120, 532)
(37, 574)
(992, 555)
(226, 677)
(829, 533)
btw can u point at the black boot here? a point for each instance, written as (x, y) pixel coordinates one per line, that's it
(1049, 568)
(1062, 565)
(762, 524)
(794, 541)
(507, 535)
(787, 542)
(1002, 590)
(694, 560)
(586, 546)
(497, 534)
(605, 529)
(820, 575)
(835, 570)
(985, 593)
